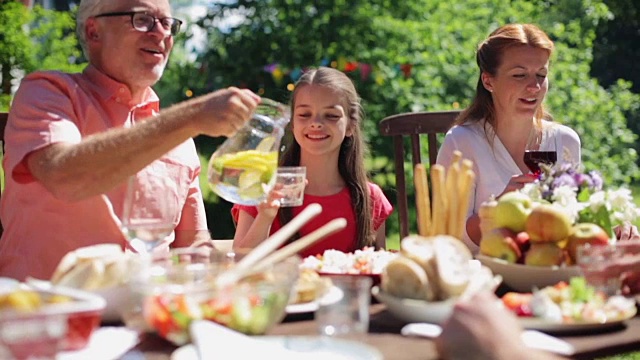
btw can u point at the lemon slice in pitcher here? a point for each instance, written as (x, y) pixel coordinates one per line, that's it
(266, 145)
(248, 178)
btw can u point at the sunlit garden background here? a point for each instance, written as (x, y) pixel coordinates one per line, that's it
(412, 55)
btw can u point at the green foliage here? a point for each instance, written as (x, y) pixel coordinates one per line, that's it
(438, 39)
(35, 39)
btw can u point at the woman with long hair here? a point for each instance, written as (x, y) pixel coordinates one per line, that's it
(507, 117)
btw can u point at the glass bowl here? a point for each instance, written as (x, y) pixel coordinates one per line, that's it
(182, 289)
(38, 322)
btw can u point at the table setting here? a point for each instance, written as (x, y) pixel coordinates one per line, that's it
(190, 303)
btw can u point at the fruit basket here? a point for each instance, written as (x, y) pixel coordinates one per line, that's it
(524, 278)
(38, 321)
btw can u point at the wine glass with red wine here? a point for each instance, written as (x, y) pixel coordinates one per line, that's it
(533, 159)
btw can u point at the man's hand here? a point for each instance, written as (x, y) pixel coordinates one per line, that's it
(225, 111)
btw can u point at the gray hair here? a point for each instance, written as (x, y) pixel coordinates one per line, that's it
(87, 9)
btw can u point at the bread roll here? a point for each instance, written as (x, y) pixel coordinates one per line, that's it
(421, 250)
(404, 278)
(310, 286)
(452, 258)
(92, 267)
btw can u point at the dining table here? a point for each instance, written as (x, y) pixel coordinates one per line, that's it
(384, 335)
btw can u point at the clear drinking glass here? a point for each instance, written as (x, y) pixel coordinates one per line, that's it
(150, 212)
(243, 169)
(595, 262)
(291, 180)
(348, 314)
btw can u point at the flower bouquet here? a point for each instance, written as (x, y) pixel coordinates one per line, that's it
(583, 197)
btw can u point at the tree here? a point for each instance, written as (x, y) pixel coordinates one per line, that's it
(417, 56)
(34, 39)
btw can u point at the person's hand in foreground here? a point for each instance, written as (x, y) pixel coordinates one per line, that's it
(481, 329)
(627, 232)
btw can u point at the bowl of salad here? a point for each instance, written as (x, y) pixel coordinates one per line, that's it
(183, 289)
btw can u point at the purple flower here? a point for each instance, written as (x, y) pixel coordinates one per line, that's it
(582, 180)
(596, 180)
(566, 180)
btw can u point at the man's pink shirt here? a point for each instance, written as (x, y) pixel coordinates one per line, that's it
(54, 107)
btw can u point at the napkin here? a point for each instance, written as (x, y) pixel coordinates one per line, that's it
(214, 341)
(531, 338)
(105, 343)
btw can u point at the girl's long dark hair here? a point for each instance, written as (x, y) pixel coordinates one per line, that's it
(352, 150)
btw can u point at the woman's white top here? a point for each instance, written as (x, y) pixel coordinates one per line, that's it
(492, 163)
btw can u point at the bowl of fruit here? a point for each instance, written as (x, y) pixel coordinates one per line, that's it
(533, 245)
(183, 289)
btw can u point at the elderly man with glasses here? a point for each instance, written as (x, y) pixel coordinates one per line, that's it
(73, 140)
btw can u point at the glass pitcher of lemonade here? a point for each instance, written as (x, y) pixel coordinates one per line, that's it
(243, 169)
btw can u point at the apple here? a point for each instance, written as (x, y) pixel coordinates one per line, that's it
(512, 210)
(585, 233)
(544, 254)
(500, 243)
(523, 240)
(548, 223)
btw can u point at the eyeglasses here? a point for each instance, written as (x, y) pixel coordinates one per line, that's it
(144, 22)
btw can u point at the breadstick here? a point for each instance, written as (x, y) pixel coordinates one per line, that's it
(464, 186)
(452, 178)
(439, 211)
(423, 203)
(466, 165)
(457, 156)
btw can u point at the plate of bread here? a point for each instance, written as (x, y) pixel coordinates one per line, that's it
(309, 289)
(430, 274)
(102, 269)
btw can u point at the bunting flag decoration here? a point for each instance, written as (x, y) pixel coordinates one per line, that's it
(365, 70)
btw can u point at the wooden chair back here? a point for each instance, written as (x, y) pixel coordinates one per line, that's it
(413, 125)
(3, 123)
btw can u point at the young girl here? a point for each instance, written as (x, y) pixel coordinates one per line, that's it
(327, 140)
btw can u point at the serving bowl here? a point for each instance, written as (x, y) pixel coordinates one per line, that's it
(412, 310)
(37, 322)
(524, 278)
(183, 289)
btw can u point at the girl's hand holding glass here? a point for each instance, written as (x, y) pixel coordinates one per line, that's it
(270, 206)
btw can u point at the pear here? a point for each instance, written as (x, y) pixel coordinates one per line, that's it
(487, 213)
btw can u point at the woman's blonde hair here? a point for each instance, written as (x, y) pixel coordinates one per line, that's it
(489, 57)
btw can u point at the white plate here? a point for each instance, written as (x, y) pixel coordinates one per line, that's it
(555, 328)
(411, 310)
(310, 346)
(332, 296)
(118, 299)
(523, 278)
